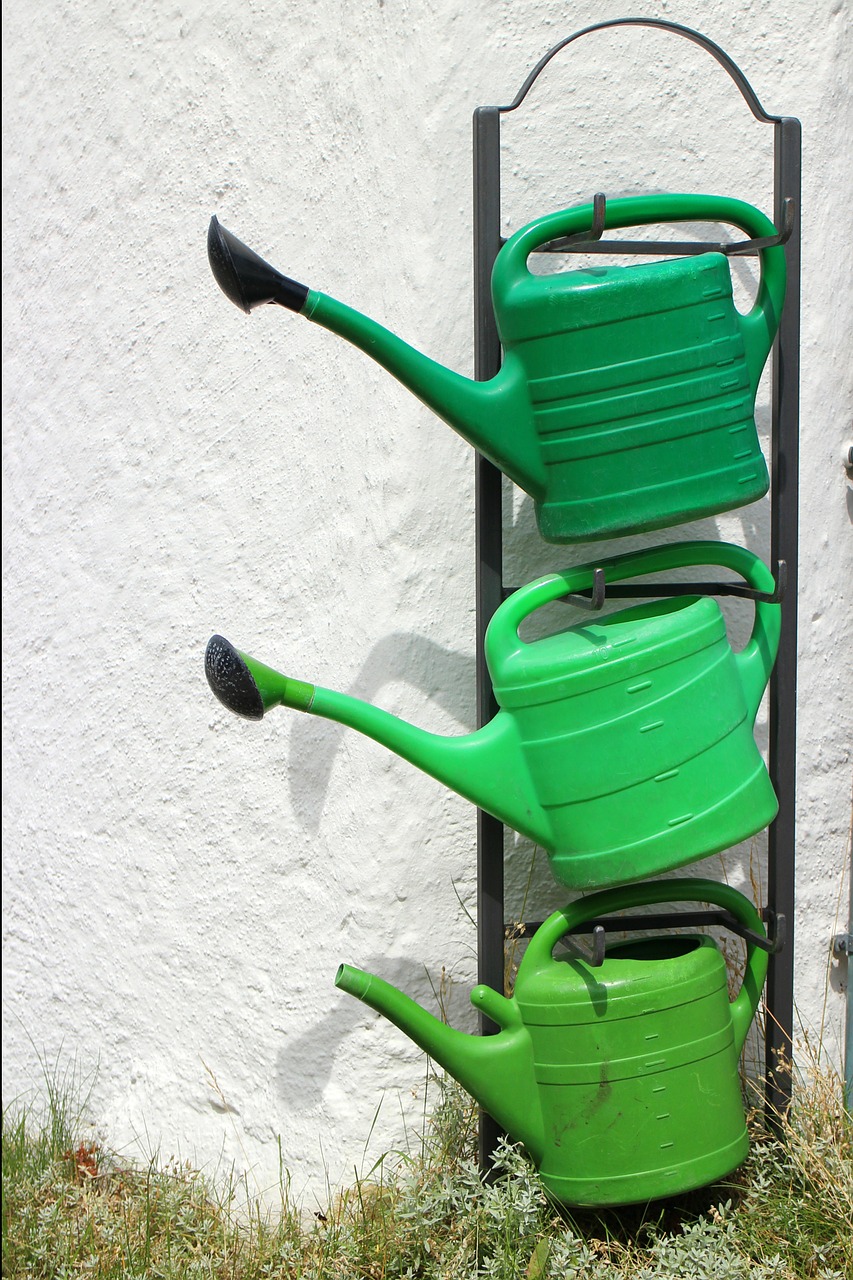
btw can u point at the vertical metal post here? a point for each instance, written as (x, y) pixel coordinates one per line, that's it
(778, 1037)
(489, 559)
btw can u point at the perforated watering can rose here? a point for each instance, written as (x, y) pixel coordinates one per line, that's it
(626, 396)
(623, 746)
(621, 1079)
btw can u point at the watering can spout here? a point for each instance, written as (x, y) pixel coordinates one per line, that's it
(486, 767)
(497, 1070)
(495, 417)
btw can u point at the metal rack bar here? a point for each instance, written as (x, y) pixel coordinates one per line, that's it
(772, 943)
(600, 591)
(784, 488)
(489, 555)
(783, 549)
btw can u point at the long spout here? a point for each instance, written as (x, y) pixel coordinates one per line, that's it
(496, 417)
(486, 767)
(497, 1070)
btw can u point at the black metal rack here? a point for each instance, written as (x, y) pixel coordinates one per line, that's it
(490, 588)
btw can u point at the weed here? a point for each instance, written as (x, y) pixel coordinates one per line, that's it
(73, 1208)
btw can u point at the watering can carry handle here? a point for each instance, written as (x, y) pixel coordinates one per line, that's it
(755, 660)
(745, 1003)
(758, 326)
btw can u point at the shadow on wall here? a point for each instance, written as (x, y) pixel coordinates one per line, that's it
(304, 1062)
(438, 672)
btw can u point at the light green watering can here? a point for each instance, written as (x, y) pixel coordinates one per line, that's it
(621, 1080)
(626, 396)
(623, 746)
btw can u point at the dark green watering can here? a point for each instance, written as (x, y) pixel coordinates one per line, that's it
(626, 397)
(623, 746)
(620, 1079)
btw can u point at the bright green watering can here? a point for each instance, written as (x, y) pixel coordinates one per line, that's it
(621, 1080)
(626, 396)
(623, 746)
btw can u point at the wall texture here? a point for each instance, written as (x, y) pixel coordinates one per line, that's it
(179, 886)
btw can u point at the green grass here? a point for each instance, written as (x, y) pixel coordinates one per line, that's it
(73, 1208)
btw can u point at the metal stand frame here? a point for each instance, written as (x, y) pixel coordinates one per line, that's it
(490, 590)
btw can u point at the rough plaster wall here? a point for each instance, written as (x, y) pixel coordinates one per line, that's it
(179, 886)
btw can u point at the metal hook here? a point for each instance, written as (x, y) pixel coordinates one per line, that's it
(777, 931)
(591, 241)
(773, 942)
(595, 600)
(743, 247)
(595, 958)
(599, 945)
(596, 231)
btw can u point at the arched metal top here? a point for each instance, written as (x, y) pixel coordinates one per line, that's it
(715, 51)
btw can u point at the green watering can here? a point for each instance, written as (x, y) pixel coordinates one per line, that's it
(626, 396)
(621, 1080)
(623, 746)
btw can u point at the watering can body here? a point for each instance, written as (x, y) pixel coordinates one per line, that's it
(625, 401)
(636, 1068)
(620, 1079)
(624, 746)
(641, 379)
(637, 728)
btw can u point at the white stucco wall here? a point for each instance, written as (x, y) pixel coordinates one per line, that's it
(179, 886)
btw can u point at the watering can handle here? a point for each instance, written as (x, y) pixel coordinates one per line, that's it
(745, 1003)
(758, 326)
(755, 660)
